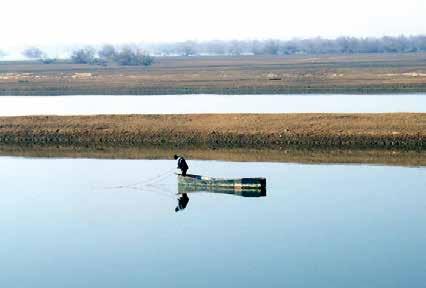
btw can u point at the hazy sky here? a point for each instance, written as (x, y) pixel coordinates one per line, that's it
(58, 22)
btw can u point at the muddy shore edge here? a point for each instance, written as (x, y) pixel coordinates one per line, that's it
(397, 131)
(388, 157)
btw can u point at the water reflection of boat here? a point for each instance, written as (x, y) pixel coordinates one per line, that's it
(246, 187)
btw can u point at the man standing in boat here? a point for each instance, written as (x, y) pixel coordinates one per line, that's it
(182, 165)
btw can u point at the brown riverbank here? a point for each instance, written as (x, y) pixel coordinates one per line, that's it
(355, 73)
(402, 131)
(305, 156)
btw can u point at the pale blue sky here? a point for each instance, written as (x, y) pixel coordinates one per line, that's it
(58, 22)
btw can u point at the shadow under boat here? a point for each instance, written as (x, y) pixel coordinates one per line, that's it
(245, 187)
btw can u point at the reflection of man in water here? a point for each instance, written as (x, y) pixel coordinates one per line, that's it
(182, 165)
(182, 202)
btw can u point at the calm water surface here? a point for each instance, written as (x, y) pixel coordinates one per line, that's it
(178, 104)
(65, 223)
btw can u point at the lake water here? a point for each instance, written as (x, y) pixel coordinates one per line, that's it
(178, 104)
(65, 223)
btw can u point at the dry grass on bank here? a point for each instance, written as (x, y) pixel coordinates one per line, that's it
(399, 130)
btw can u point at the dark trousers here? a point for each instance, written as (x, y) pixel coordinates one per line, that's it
(184, 172)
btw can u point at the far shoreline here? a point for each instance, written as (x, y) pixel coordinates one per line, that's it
(387, 157)
(390, 73)
(359, 91)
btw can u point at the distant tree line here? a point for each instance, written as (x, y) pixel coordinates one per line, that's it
(136, 55)
(34, 53)
(88, 55)
(126, 56)
(341, 45)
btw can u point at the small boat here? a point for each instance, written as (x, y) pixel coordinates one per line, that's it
(248, 192)
(248, 187)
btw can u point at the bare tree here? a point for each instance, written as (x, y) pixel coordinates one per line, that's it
(133, 57)
(213, 47)
(83, 56)
(257, 47)
(187, 48)
(271, 47)
(235, 48)
(33, 53)
(107, 52)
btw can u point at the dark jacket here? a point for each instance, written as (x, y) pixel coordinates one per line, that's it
(182, 164)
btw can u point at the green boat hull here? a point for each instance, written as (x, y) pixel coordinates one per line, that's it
(246, 187)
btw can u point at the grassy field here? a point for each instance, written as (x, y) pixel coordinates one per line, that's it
(361, 73)
(402, 131)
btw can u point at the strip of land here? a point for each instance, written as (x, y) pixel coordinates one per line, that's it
(354, 73)
(400, 131)
(391, 157)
